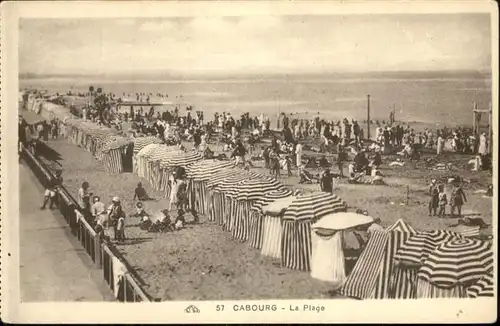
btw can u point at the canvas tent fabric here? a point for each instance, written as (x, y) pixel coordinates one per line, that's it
(296, 237)
(342, 221)
(370, 277)
(199, 173)
(327, 262)
(272, 226)
(259, 226)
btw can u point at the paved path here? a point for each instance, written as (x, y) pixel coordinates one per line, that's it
(54, 267)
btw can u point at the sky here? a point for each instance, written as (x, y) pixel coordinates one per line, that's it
(256, 44)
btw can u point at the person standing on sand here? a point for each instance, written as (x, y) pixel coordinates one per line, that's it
(440, 144)
(298, 154)
(457, 199)
(326, 182)
(115, 214)
(483, 142)
(442, 201)
(340, 159)
(434, 200)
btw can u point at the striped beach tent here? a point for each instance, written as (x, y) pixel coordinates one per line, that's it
(257, 218)
(371, 276)
(142, 159)
(272, 228)
(228, 187)
(177, 159)
(198, 173)
(113, 151)
(482, 288)
(453, 267)
(270, 197)
(248, 192)
(328, 262)
(156, 161)
(139, 144)
(296, 237)
(217, 199)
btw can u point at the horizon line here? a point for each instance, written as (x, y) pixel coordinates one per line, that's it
(250, 73)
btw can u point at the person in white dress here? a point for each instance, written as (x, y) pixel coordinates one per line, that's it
(298, 154)
(440, 145)
(483, 142)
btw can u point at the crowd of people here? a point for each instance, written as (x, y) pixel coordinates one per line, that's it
(281, 149)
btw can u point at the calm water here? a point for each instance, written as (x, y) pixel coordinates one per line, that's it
(444, 100)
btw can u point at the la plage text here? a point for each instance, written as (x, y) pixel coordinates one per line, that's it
(291, 307)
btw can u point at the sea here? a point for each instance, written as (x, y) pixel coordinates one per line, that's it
(446, 99)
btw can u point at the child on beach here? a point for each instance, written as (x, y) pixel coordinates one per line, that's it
(120, 229)
(442, 201)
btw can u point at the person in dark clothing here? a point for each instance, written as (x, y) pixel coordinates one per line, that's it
(140, 193)
(377, 160)
(51, 191)
(361, 161)
(340, 159)
(326, 182)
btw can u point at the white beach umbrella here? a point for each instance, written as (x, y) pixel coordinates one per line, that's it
(342, 221)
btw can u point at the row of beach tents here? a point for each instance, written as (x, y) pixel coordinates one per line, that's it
(306, 231)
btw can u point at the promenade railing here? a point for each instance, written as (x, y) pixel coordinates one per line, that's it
(101, 252)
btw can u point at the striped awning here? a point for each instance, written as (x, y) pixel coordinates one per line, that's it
(459, 261)
(203, 170)
(229, 186)
(418, 247)
(270, 197)
(163, 153)
(181, 159)
(482, 288)
(314, 206)
(147, 150)
(255, 189)
(115, 142)
(222, 175)
(141, 142)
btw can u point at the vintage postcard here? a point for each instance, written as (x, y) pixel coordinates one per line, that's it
(249, 162)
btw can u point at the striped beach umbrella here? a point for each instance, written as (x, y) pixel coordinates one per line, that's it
(314, 206)
(256, 189)
(296, 238)
(270, 197)
(463, 261)
(418, 247)
(482, 288)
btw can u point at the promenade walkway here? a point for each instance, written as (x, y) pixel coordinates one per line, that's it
(54, 267)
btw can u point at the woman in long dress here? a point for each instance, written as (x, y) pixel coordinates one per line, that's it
(482, 150)
(440, 145)
(457, 199)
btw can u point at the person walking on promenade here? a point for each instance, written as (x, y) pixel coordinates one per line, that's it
(50, 194)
